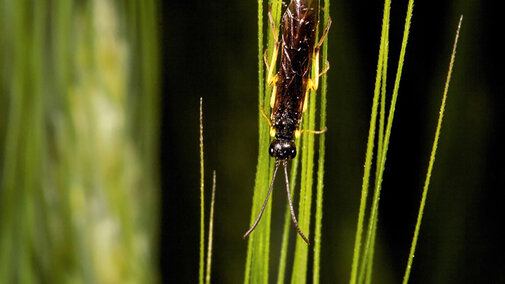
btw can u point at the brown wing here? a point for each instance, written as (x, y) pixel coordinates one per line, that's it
(298, 28)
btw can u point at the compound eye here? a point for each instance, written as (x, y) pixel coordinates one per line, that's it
(282, 149)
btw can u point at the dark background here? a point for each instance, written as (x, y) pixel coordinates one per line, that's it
(209, 50)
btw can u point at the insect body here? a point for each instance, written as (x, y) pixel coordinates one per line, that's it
(298, 74)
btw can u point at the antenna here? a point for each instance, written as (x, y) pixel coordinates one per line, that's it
(264, 203)
(293, 216)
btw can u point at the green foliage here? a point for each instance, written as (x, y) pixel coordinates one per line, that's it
(366, 262)
(202, 201)
(211, 230)
(432, 159)
(369, 244)
(256, 270)
(320, 163)
(205, 266)
(370, 143)
(79, 183)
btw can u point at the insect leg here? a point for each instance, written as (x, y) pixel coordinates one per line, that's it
(272, 98)
(326, 68)
(298, 133)
(314, 131)
(265, 116)
(266, 60)
(314, 81)
(271, 79)
(325, 33)
(272, 129)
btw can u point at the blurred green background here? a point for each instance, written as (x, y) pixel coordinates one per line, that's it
(79, 128)
(99, 173)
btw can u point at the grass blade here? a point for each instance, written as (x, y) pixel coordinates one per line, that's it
(367, 253)
(382, 161)
(211, 230)
(261, 133)
(257, 261)
(287, 222)
(202, 199)
(320, 165)
(432, 158)
(368, 260)
(300, 264)
(370, 146)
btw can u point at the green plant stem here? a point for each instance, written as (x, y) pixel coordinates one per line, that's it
(320, 166)
(368, 277)
(369, 260)
(382, 162)
(380, 144)
(382, 113)
(247, 272)
(202, 203)
(257, 261)
(287, 221)
(432, 159)
(369, 151)
(211, 230)
(299, 273)
(301, 249)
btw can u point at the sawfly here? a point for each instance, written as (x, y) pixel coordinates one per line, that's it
(298, 74)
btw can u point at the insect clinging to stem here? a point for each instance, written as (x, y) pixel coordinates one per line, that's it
(298, 74)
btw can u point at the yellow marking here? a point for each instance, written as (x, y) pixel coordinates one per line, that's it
(315, 72)
(306, 99)
(298, 133)
(313, 131)
(314, 82)
(310, 84)
(272, 132)
(272, 99)
(271, 79)
(265, 116)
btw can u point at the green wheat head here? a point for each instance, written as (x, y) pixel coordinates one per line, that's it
(79, 185)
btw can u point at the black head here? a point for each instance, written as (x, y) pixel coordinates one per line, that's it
(282, 149)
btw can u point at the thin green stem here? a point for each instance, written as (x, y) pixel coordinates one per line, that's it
(299, 273)
(202, 203)
(287, 222)
(257, 262)
(368, 277)
(320, 165)
(211, 230)
(261, 128)
(370, 256)
(369, 150)
(380, 140)
(300, 257)
(380, 145)
(432, 159)
(382, 162)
